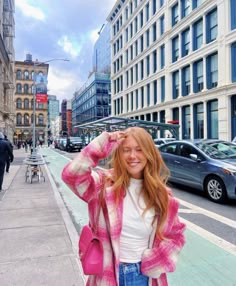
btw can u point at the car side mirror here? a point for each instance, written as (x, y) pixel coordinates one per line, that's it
(194, 157)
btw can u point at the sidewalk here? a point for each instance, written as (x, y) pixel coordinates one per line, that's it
(38, 242)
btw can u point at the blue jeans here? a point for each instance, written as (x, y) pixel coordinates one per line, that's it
(130, 275)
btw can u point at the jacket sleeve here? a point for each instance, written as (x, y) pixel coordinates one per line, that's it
(162, 258)
(79, 174)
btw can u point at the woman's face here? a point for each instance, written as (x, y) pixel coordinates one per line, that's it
(135, 160)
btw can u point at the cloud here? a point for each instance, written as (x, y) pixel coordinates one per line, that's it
(69, 46)
(29, 10)
(60, 29)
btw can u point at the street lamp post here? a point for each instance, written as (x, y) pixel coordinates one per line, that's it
(34, 101)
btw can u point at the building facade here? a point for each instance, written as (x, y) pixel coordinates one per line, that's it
(53, 112)
(25, 72)
(175, 61)
(92, 101)
(102, 51)
(7, 58)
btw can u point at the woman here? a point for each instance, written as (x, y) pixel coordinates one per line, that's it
(138, 217)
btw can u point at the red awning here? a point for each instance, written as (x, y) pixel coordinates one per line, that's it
(173, 121)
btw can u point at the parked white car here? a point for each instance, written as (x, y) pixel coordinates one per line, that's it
(161, 141)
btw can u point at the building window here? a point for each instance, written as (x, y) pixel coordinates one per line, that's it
(142, 97)
(40, 119)
(198, 76)
(127, 102)
(18, 88)
(212, 119)
(141, 19)
(136, 72)
(161, 3)
(126, 34)
(198, 121)
(126, 13)
(197, 35)
(18, 74)
(147, 38)
(26, 103)
(162, 57)
(233, 62)
(26, 119)
(196, 3)
(154, 6)
(233, 14)
(19, 119)
(175, 114)
(131, 76)
(185, 8)
(154, 32)
(131, 30)
(26, 88)
(136, 48)
(127, 78)
(141, 44)
(155, 91)
(163, 92)
(18, 103)
(175, 49)
(154, 61)
(211, 26)
(186, 81)
(136, 24)
(132, 100)
(26, 74)
(185, 42)
(162, 25)
(186, 122)
(148, 65)
(212, 71)
(175, 14)
(147, 12)
(148, 94)
(175, 84)
(142, 69)
(136, 97)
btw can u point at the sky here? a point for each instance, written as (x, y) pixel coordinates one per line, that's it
(58, 29)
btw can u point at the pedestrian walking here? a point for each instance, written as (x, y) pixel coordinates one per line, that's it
(5, 154)
(138, 221)
(8, 162)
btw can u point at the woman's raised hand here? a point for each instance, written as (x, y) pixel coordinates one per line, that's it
(117, 136)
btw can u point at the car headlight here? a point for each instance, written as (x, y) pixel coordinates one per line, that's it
(229, 171)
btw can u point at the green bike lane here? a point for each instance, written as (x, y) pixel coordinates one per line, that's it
(201, 262)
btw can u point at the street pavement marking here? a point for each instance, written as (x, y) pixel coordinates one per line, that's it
(231, 248)
(196, 209)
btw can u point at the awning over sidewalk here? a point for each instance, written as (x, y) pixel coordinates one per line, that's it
(119, 123)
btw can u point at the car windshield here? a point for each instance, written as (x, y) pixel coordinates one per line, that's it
(211, 151)
(225, 147)
(75, 139)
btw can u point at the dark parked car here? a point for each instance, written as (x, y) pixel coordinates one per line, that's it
(74, 144)
(201, 166)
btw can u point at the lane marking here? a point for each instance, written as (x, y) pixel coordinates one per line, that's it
(215, 216)
(229, 247)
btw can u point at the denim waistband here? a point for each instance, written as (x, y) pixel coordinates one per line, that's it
(130, 267)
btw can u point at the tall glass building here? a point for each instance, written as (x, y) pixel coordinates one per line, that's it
(92, 101)
(102, 51)
(175, 61)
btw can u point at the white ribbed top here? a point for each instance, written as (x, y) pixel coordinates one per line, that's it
(136, 229)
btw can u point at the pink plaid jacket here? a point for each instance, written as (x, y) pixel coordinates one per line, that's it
(86, 182)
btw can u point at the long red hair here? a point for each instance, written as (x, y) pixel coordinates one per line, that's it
(155, 175)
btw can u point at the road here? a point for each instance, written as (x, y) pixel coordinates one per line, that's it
(209, 256)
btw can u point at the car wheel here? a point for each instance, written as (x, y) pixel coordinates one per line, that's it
(215, 189)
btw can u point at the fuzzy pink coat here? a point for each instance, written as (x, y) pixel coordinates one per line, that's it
(86, 182)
